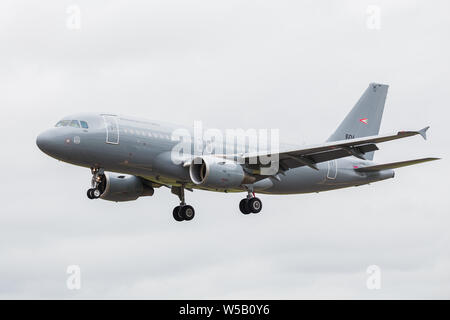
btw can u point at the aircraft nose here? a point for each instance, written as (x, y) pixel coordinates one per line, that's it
(46, 142)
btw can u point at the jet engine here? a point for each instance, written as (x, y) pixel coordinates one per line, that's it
(218, 173)
(122, 187)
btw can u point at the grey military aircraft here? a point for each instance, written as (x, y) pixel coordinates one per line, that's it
(130, 157)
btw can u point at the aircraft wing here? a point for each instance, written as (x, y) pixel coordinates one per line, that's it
(311, 155)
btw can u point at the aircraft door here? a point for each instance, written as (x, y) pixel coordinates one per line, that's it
(112, 129)
(332, 169)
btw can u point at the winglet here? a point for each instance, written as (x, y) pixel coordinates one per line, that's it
(423, 132)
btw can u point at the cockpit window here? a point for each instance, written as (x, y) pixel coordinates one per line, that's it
(74, 123)
(63, 123)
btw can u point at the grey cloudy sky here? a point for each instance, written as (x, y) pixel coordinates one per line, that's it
(294, 65)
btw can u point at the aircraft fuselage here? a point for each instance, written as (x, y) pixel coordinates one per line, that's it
(144, 148)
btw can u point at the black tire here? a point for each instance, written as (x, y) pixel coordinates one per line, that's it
(243, 206)
(254, 205)
(187, 212)
(89, 194)
(176, 214)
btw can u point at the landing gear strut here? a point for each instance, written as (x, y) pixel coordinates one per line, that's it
(251, 204)
(97, 183)
(183, 212)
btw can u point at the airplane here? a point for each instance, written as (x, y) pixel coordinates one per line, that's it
(130, 157)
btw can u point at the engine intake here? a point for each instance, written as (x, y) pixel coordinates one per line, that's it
(122, 187)
(218, 173)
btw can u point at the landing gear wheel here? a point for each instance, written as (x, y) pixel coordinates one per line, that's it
(243, 206)
(176, 214)
(96, 193)
(254, 205)
(187, 212)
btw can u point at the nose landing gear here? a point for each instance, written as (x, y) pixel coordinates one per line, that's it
(97, 183)
(251, 204)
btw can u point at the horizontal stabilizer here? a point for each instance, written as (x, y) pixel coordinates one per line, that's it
(394, 165)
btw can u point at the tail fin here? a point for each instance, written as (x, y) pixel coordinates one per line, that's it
(365, 118)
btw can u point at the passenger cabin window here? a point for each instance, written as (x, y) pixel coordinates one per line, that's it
(84, 124)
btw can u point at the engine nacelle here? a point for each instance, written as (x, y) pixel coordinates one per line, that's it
(122, 187)
(218, 173)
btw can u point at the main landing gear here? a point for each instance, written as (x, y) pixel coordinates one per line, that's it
(251, 204)
(97, 183)
(183, 212)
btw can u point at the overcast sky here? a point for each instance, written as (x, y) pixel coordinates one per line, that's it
(298, 66)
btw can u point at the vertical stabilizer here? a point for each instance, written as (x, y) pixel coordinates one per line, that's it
(365, 118)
